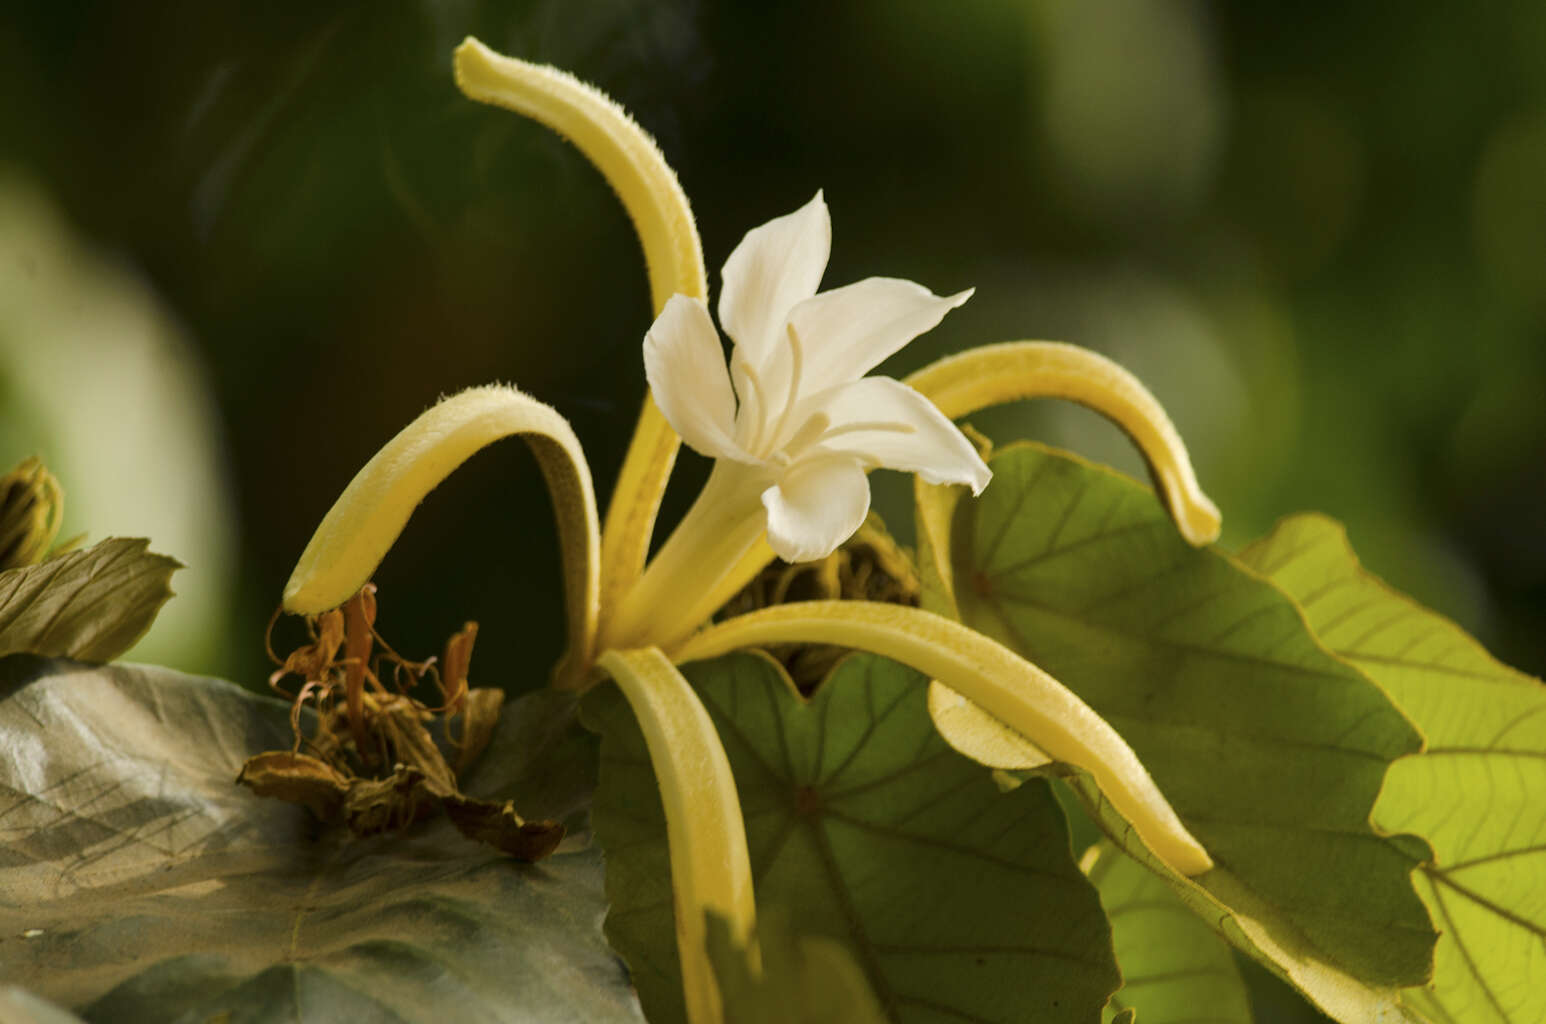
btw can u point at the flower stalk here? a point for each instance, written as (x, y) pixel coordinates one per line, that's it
(673, 596)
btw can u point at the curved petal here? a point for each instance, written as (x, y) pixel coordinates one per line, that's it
(817, 505)
(848, 331)
(961, 384)
(685, 367)
(775, 266)
(366, 519)
(886, 423)
(1013, 690)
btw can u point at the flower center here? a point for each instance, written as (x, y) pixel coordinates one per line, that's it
(762, 441)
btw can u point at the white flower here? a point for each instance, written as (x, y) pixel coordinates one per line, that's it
(800, 419)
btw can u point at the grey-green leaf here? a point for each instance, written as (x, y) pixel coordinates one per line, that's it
(1477, 793)
(88, 605)
(1271, 750)
(960, 902)
(154, 889)
(1174, 966)
(18, 1006)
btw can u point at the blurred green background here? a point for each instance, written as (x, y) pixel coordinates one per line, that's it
(242, 244)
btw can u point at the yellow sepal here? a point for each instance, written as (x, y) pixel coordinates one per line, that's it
(1013, 690)
(705, 834)
(994, 374)
(367, 518)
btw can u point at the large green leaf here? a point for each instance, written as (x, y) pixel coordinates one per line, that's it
(152, 888)
(90, 605)
(1477, 793)
(1173, 965)
(1270, 749)
(959, 901)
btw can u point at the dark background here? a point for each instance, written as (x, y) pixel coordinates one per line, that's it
(1317, 231)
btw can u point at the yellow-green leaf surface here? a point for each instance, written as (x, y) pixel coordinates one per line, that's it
(140, 885)
(1175, 969)
(1270, 749)
(1477, 793)
(88, 605)
(958, 901)
(800, 979)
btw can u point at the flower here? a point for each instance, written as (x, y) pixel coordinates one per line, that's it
(795, 416)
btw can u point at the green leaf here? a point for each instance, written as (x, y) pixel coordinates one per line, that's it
(89, 605)
(155, 889)
(959, 901)
(1477, 793)
(1270, 749)
(802, 980)
(1173, 964)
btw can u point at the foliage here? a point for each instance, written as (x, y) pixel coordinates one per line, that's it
(90, 605)
(1477, 792)
(140, 884)
(1172, 963)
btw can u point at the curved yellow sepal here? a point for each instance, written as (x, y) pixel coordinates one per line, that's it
(624, 154)
(367, 518)
(705, 833)
(962, 724)
(1007, 686)
(993, 374)
(633, 165)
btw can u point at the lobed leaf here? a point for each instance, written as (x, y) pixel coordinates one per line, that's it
(1270, 749)
(958, 901)
(1477, 794)
(141, 884)
(88, 605)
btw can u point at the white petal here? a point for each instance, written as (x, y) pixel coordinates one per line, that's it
(775, 266)
(815, 506)
(847, 332)
(685, 366)
(886, 423)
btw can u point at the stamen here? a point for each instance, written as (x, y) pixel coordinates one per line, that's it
(877, 425)
(809, 433)
(818, 430)
(796, 368)
(758, 400)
